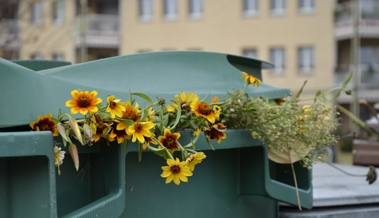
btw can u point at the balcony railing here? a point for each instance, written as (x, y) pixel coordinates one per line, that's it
(368, 76)
(99, 30)
(9, 33)
(368, 21)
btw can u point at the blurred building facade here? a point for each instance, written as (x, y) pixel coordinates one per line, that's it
(368, 51)
(304, 39)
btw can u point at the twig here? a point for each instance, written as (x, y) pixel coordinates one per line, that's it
(294, 178)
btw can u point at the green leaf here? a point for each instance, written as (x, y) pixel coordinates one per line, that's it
(347, 80)
(143, 115)
(301, 90)
(140, 152)
(205, 98)
(165, 153)
(143, 96)
(59, 114)
(178, 115)
(318, 94)
(343, 86)
(127, 122)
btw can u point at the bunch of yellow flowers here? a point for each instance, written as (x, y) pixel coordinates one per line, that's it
(157, 126)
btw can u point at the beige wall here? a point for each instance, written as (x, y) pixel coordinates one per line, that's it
(47, 38)
(223, 28)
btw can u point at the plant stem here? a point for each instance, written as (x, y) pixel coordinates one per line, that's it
(343, 171)
(295, 180)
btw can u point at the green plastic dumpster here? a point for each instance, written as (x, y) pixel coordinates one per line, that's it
(236, 179)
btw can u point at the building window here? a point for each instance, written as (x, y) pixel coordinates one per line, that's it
(306, 59)
(170, 9)
(36, 12)
(277, 57)
(278, 6)
(58, 57)
(145, 9)
(369, 54)
(58, 11)
(36, 57)
(250, 52)
(306, 6)
(195, 8)
(250, 7)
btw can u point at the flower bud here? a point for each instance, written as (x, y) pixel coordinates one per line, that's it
(348, 92)
(74, 155)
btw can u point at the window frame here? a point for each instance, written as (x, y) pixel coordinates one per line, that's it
(58, 11)
(306, 54)
(309, 8)
(275, 10)
(167, 13)
(278, 70)
(250, 7)
(36, 12)
(199, 7)
(145, 9)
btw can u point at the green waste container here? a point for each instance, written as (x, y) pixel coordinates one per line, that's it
(236, 179)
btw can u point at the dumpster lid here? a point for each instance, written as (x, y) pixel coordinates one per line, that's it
(29, 93)
(41, 64)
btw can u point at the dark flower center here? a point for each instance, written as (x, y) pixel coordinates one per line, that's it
(44, 126)
(185, 107)
(170, 142)
(83, 101)
(205, 109)
(112, 104)
(129, 115)
(175, 169)
(138, 127)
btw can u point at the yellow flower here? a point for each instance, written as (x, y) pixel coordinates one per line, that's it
(307, 109)
(204, 109)
(149, 140)
(216, 132)
(140, 130)
(217, 110)
(45, 124)
(215, 99)
(176, 171)
(130, 112)
(83, 102)
(99, 128)
(250, 79)
(169, 140)
(184, 100)
(194, 159)
(196, 132)
(114, 106)
(58, 157)
(120, 135)
(150, 115)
